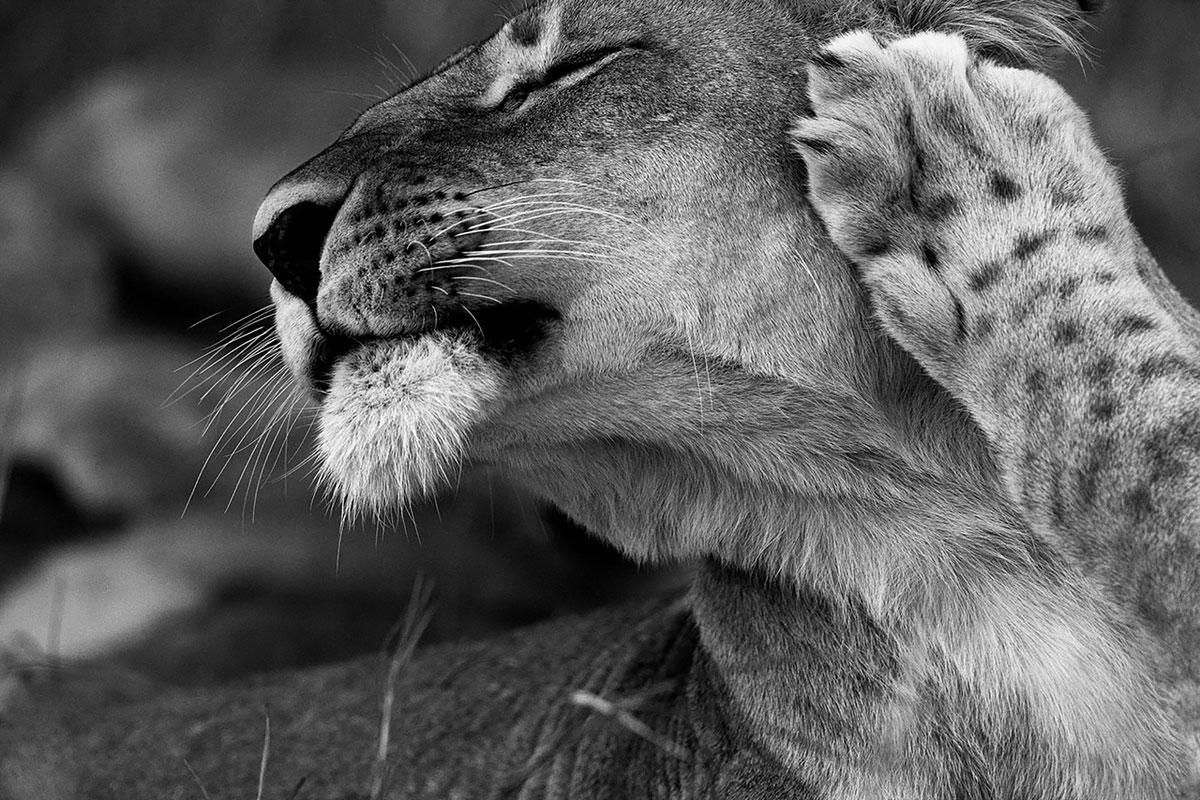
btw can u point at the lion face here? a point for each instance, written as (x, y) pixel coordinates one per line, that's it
(579, 248)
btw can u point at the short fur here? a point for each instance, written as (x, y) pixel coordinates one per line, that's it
(939, 562)
(1019, 31)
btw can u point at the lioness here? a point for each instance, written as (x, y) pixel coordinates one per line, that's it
(857, 319)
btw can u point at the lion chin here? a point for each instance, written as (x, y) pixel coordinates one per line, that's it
(397, 417)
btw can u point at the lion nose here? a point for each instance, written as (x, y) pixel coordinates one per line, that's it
(289, 235)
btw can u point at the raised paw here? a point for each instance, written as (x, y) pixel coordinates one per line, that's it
(942, 176)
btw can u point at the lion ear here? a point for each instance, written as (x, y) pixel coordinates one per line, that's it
(1019, 32)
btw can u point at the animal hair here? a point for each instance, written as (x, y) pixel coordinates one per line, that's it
(395, 421)
(1021, 32)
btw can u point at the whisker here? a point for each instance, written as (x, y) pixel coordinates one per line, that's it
(216, 353)
(542, 240)
(253, 317)
(586, 209)
(586, 258)
(504, 286)
(543, 252)
(481, 297)
(447, 264)
(250, 367)
(473, 317)
(239, 421)
(467, 261)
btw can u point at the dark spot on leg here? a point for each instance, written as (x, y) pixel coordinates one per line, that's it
(941, 207)
(1042, 288)
(1091, 233)
(1100, 372)
(986, 277)
(876, 245)
(1029, 304)
(1106, 278)
(1024, 310)
(1089, 473)
(960, 321)
(1066, 195)
(1039, 130)
(1132, 324)
(1036, 382)
(1004, 187)
(1163, 451)
(1068, 288)
(1058, 510)
(1140, 504)
(1104, 408)
(930, 255)
(827, 59)
(1066, 332)
(460, 196)
(985, 325)
(949, 116)
(1028, 244)
(1168, 366)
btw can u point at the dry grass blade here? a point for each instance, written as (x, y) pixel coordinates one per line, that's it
(299, 787)
(407, 634)
(196, 779)
(266, 756)
(623, 716)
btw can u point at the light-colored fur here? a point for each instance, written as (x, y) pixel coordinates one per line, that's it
(414, 402)
(714, 384)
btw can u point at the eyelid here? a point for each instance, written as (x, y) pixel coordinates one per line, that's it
(578, 61)
(563, 69)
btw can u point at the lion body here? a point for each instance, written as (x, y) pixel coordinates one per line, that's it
(585, 252)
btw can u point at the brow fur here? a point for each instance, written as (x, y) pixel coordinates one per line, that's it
(1018, 31)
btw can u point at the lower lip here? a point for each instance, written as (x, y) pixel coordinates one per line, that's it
(505, 333)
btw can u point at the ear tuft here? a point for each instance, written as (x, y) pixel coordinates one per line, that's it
(1024, 32)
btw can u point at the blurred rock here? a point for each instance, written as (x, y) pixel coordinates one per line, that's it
(174, 164)
(97, 418)
(213, 596)
(54, 274)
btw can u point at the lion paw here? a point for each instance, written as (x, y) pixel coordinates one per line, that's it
(942, 176)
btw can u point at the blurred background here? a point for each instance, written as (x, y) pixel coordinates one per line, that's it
(136, 140)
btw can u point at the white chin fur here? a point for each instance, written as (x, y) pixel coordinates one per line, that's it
(395, 423)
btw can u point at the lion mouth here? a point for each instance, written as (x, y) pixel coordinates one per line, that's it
(503, 333)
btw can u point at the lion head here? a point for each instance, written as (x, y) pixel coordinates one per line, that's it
(580, 252)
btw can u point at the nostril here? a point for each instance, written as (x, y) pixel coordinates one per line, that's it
(291, 247)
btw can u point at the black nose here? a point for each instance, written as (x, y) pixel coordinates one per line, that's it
(291, 247)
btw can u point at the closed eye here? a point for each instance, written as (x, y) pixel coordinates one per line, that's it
(571, 69)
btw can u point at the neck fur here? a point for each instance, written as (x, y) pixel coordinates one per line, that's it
(883, 616)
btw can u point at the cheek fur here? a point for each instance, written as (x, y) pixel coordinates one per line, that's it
(396, 422)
